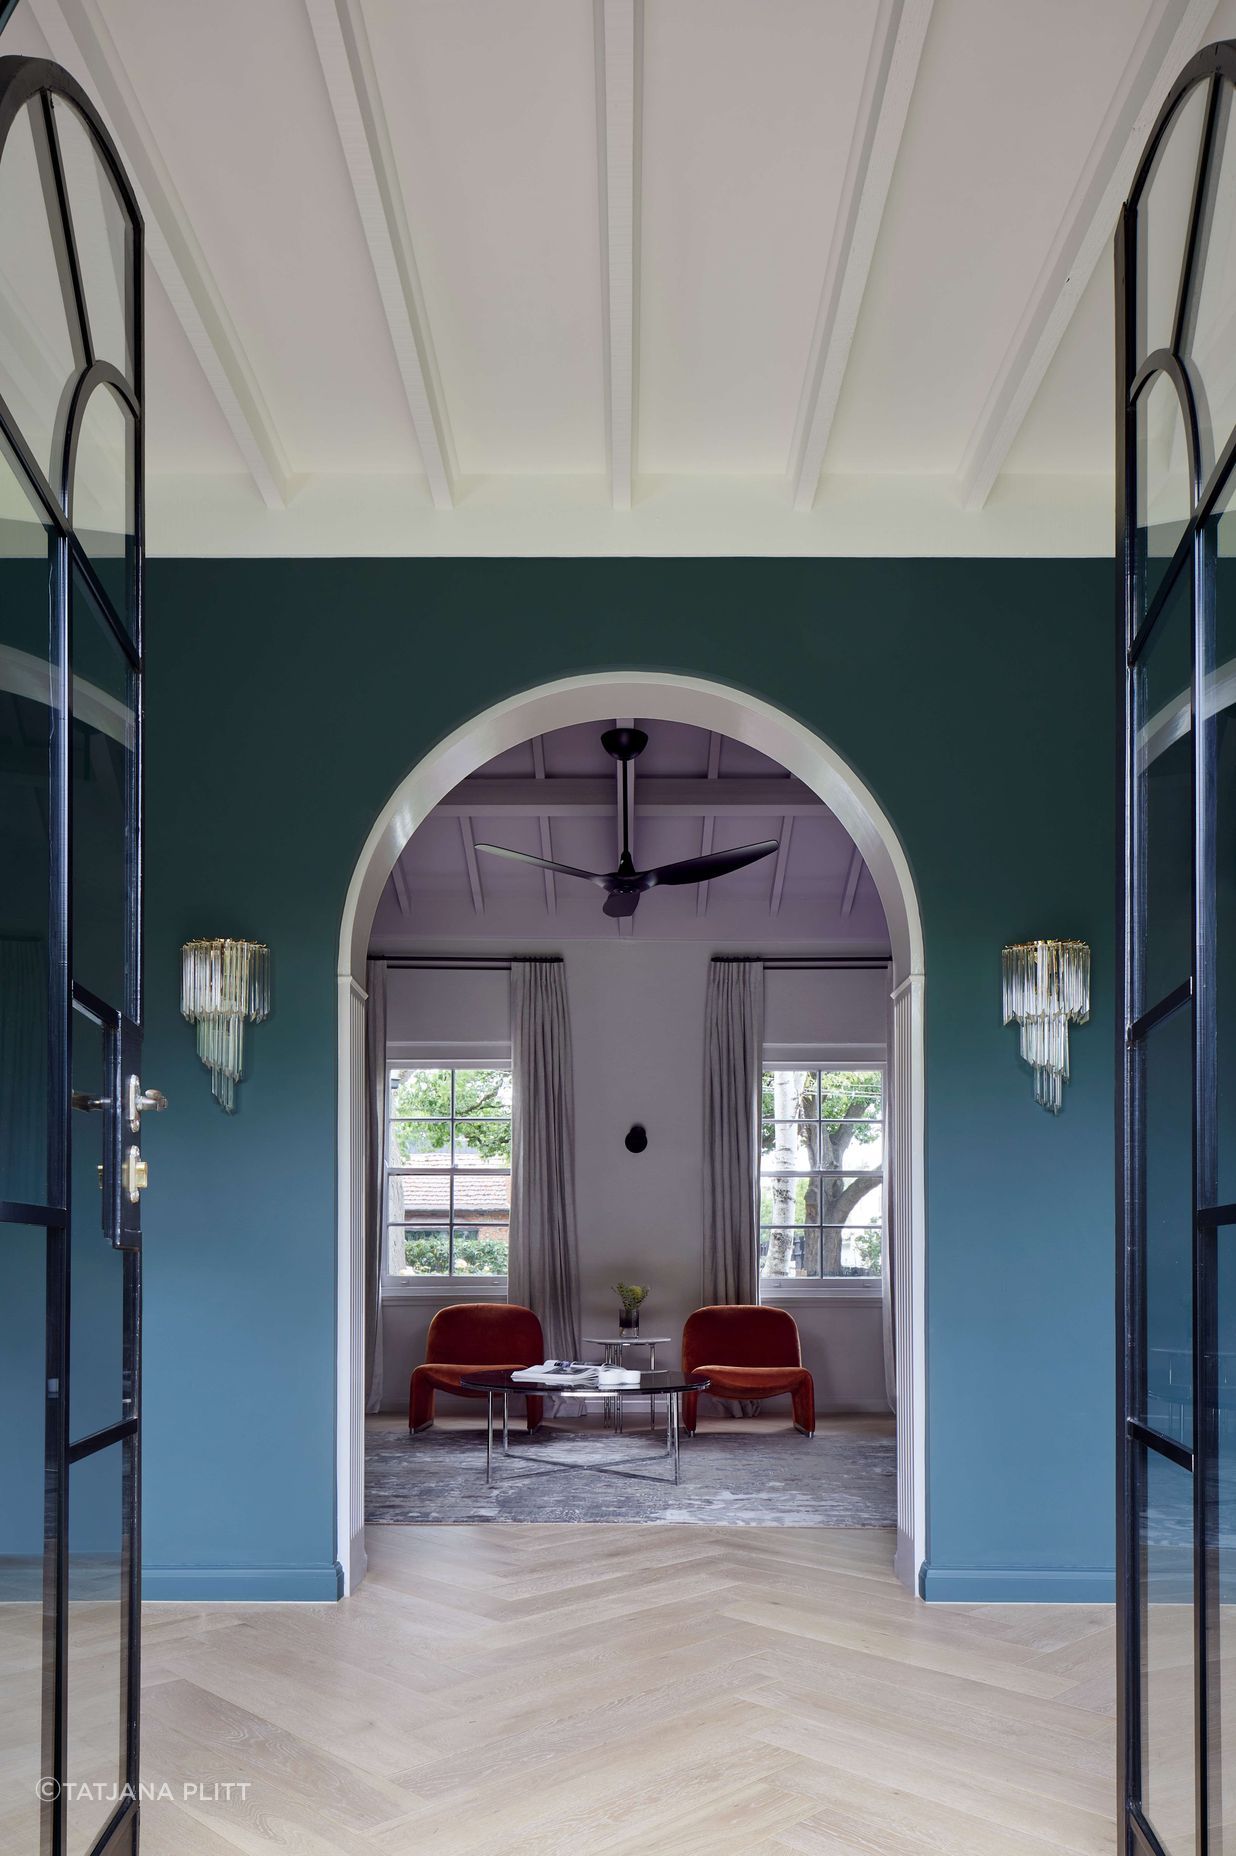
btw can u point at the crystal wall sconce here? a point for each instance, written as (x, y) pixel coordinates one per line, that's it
(1046, 989)
(224, 985)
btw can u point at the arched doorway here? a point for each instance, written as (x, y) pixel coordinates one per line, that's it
(745, 718)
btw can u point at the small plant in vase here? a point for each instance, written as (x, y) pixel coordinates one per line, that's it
(630, 1294)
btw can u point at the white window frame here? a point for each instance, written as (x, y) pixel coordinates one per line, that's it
(775, 1290)
(441, 1288)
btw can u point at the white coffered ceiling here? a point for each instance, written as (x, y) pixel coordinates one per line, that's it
(685, 276)
(693, 792)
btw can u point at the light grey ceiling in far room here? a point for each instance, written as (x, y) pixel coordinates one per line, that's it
(557, 796)
(671, 277)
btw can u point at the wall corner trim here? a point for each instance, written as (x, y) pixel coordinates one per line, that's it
(270, 1585)
(1018, 1585)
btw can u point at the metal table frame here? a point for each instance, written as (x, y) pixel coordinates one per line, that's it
(673, 1431)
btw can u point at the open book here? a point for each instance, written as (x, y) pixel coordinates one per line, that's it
(615, 1377)
(558, 1373)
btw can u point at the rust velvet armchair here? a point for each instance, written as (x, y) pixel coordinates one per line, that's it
(747, 1352)
(471, 1335)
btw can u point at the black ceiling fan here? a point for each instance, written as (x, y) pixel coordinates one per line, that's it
(626, 884)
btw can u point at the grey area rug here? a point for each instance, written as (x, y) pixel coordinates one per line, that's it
(727, 1481)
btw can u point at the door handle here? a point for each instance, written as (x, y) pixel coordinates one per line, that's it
(139, 1101)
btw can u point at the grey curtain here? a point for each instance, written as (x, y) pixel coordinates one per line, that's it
(543, 1272)
(375, 1195)
(733, 1065)
(892, 1219)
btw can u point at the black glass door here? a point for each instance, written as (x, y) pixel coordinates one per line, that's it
(1176, 441)
(71, 1098)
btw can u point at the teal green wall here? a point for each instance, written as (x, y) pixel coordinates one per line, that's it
(286, 701)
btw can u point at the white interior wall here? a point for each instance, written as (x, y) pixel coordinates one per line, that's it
(637, 1014)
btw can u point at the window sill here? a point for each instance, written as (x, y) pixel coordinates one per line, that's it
(444, 1289)
(866, 1289)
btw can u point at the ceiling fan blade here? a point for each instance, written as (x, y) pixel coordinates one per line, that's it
(621, 902)
(542, 863)
(704, 869)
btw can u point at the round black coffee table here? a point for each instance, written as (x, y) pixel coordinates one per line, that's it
(502, 1384)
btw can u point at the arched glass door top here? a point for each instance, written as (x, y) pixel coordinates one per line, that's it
(1176, 479)
(70, 960)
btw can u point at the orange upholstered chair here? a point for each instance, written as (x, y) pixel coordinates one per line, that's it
(474, 1337)
(747, 1352)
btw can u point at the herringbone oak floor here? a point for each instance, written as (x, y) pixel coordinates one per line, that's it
(526, 1691)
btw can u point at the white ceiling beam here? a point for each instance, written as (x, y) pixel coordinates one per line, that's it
(619, 44)
(661, 794)
(347, 64)
(547, 846)
(851, 882)
(888, 84)
(781, 866)
(78, 38)
(400, 884)
(714, 754)
(1172, 32)
(474, 874)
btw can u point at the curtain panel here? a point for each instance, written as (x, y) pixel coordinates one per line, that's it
(375, 1176)
(543, 1269)
(733, 1066)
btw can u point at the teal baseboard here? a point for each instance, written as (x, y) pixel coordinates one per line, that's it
(243, 1585)
(985, 1585)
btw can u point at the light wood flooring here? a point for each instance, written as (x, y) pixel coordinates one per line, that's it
(530, 1691)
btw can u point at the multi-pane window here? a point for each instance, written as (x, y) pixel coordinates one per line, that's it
(448, 1171)
(822, 1173)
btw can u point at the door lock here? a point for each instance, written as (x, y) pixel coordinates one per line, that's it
(139, 1101)
(134, 1174)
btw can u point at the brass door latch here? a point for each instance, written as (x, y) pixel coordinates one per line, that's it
(134, 1174)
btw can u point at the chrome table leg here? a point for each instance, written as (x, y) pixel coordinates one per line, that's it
(652, 1397)
(506, 1438)
(489, 1437)
(674, 1399)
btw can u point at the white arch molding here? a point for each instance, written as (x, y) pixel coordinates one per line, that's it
(727, 711)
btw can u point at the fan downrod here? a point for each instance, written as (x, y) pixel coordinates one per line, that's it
(624, 743)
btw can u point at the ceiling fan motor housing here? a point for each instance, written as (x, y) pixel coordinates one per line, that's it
(624, 743)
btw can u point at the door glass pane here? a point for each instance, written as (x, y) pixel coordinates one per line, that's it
(1221, 705)
(97, 1628)
(103, 497)
(1168, 1258)
(1164, 484)
(1165, 791)
(23, 1278)
(25, 818)
(1210, 344)
(1162, 222)
(96, 1282)
(102, 752)
(37, 360)
(1167, 1654)
(103, 237)
(1223, 1378)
